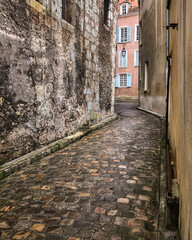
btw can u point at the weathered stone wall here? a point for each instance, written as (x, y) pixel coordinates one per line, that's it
(180, 125)
(153, 51)
(55, 76)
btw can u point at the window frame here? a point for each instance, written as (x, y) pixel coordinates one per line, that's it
(123, 28)
(136, 27)
(119, 80)
(128, 31)
(121, 8)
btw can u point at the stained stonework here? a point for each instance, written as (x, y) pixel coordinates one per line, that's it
(55, 76)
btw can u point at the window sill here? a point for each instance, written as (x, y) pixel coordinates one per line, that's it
(123, 67)
(36, 5)
(106, 27)
(123, 87)
(124, 42)
(68, 26)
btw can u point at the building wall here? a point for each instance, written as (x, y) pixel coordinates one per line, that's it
(131, 19)
(153, 52)
(55, 76)
(180, 121)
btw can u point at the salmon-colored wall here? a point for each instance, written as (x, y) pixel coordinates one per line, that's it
(130, 19)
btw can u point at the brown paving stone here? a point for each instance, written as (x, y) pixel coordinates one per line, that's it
(123, 200)
(54, 230)
(112, 212)
(132, 223)
(21, 235)
(100, 210)
(84, 195)
(4, 225)
(144, 198)
(37, 227)
(73, 238)
(67, 222)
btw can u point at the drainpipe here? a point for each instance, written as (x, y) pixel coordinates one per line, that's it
(169, 170)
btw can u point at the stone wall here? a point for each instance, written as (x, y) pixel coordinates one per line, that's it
(55, 76)
(153, 52)
(180, 118)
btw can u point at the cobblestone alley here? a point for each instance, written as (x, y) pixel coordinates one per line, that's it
(104, 186)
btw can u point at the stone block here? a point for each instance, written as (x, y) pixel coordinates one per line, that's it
(14, 168)
(1, 175)
(7, 172)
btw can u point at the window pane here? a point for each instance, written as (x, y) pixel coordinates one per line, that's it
(123, 34)
(124, 9)
(137, 33)
(123, 80)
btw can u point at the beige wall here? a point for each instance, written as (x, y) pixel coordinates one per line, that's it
(180, 126)
(153, 51)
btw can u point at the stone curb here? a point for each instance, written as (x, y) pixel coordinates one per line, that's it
(162, 187)
(35, 156)
(153, 113)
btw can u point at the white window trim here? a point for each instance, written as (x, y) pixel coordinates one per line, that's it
(136, 32)
(127, 8)
(119, 80)
(120, 33)
(135, 50)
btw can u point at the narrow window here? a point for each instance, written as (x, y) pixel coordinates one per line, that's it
(123, 80)
(123, 34)
(106, 10)
(136, 58)
(146, 77)
(66, 10)
(122, 60)
(124, 9)
(136, 33)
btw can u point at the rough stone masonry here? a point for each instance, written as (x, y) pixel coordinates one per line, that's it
(55, 75)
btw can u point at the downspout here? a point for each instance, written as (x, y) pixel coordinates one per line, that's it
(169, 170)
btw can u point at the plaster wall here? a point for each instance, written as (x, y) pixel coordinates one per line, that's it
(55, 76)
(153, 51)
(180, 121)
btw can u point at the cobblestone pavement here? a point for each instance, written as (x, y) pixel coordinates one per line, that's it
(104, 186)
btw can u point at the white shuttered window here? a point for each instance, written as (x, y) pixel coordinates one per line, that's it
(136, 57)
(122, 60)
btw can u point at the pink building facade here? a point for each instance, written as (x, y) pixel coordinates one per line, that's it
(126, 79)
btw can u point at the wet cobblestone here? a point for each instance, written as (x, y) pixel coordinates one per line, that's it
(103, 187)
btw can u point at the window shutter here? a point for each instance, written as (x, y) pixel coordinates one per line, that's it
(116, 80)
(137, 58)
(117, 35)
(129, 78)
(125, 60)
(120, 59)
(129, 34)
